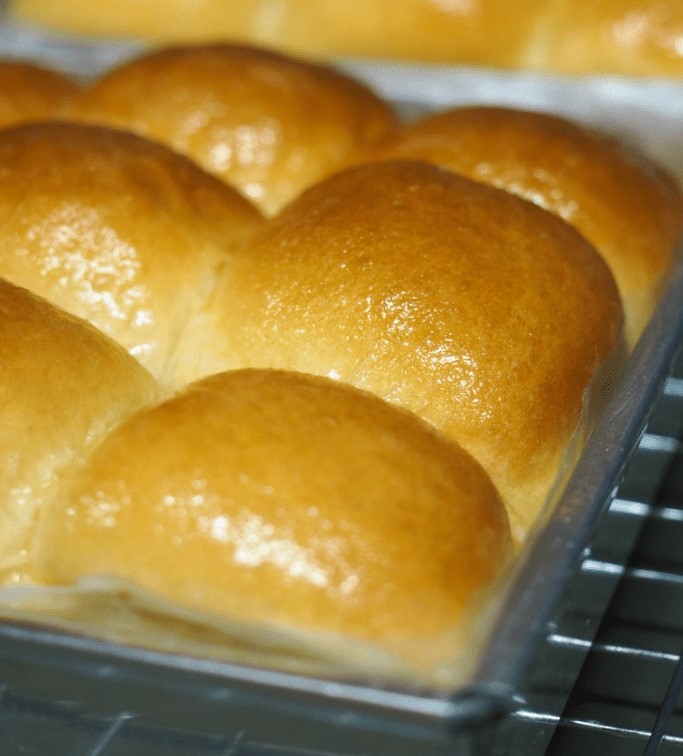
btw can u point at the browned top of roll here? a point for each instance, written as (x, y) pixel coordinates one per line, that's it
(63, 384)
(265, 123)
(475, 309)
(627, 207)
(286, 498)
(29, 92)
(629, 37)
(419, 29)
(115, 229)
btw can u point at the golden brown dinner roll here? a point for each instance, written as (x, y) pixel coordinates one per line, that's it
(267, 124)
(29, 92)
(115, 229)
(632, 37)
(477, 310)
(280, 497)
(477, 30)
(626, 37)
(63, 384)
(627, 207)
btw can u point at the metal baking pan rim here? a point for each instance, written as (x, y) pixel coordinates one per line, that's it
(59, 649)
(589, 490)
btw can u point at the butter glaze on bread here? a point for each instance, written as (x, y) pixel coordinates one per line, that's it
(115, 229)
(405, 280)
(475, 309)
(626, 206)
(29, 92)
(266, 124)
(63, 385)
(626, 37)
(278, 497)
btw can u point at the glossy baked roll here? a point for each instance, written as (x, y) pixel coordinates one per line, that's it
(291, 500)
(29, 92)
(267, 124)
(475, 309)
(115, 229)
(626, 206)
(63, 385)
(628, 37)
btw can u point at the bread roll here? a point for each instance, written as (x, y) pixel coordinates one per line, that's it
(115, 229)
(29, 92)
(475, 309)
(267, 124)
(277, 497)
(63, 385)
(628, 37)
(627, 207)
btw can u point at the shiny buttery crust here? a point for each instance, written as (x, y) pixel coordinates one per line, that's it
(627, 207)
(267, 124)
(115, 229)
(29, 92)
(475, 309)
(284, 498)
(629, 37)
(63, 385)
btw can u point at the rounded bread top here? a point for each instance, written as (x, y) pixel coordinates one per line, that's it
(63, 385)
(625, 205)
(626, 37)
(267, 124)
(270, 496)
(29, 92)
(115, 229)
(473, 308)
(640, 38)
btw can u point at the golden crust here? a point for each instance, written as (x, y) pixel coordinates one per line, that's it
(628, 37)
(63, 385)
(29, 92)
(115, 229)
(628, 208)
(279, 497)
(268, 125)
(473, 308)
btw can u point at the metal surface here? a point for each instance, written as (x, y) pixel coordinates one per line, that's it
(626, 698)
(593, 484)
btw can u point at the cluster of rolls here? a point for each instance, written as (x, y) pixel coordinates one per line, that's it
(627, 37)
(270, 355)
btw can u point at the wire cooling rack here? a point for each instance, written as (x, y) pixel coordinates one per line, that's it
(627, 698)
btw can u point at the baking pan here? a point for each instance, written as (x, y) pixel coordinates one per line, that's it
(89, 693)
(263, 711)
